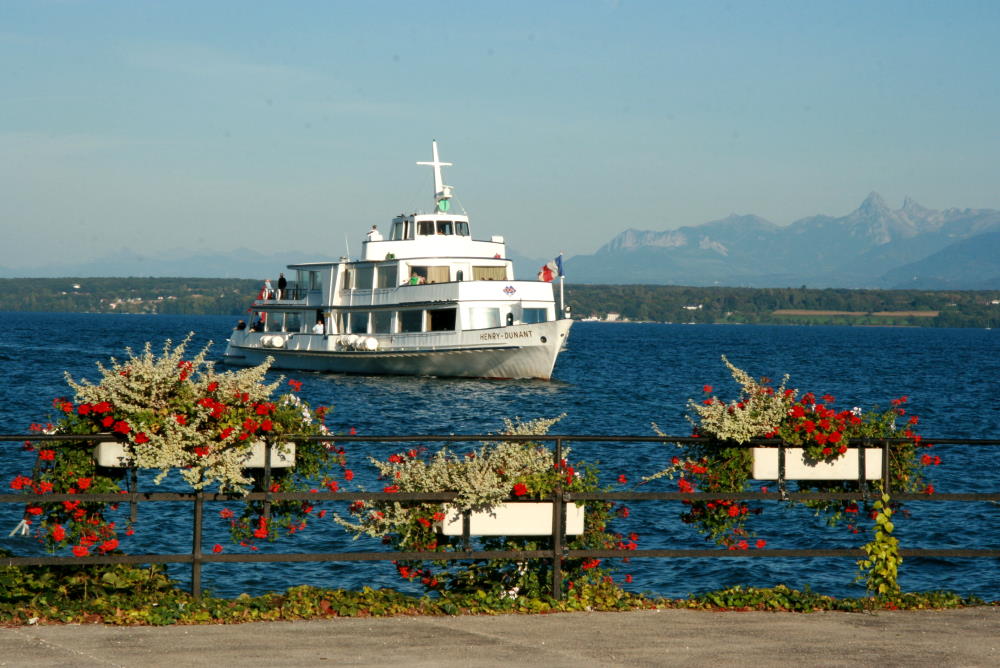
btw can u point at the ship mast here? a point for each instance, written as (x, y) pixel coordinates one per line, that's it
(442, 193)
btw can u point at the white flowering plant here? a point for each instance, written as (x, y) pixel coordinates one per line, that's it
(174, 413)
(482, 479)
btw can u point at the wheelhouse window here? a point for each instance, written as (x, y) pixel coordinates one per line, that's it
(293, 322)
(411, 321)
(461, 228)
(425, 228)
(401, 229)
(274, 322)
(420, 275)
(387, 275)
(530, 316)
(307, 279)
(381, 322)
(489, 273)
(437, 275)
(482, 317)
(441, 320)
(359, 322)
(444, 227)
(363, 277)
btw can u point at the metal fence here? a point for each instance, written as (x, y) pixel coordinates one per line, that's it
(558, 550)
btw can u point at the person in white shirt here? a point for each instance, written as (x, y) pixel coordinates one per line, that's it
(374, 234)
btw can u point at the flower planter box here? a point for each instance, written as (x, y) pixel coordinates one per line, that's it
(512, 519)
(845, 467)
(111, 454)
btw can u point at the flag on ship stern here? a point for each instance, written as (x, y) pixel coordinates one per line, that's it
(551, 269)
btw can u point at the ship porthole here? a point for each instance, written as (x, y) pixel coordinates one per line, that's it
(544, 339)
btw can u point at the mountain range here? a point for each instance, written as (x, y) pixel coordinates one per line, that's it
(871, 247)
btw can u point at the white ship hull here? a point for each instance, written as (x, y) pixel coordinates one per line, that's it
(521, 351)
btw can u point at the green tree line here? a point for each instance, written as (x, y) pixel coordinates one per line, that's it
(224, 296)
(719, 305)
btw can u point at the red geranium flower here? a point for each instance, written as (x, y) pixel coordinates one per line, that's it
(520, 489)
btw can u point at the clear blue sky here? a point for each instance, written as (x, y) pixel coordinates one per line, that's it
(153, 126)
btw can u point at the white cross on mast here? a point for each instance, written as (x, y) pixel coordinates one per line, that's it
(442, 193)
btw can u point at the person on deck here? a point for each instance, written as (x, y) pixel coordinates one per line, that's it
(374, 234)
(282, 284)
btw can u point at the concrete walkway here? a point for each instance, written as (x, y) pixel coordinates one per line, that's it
(969, 637)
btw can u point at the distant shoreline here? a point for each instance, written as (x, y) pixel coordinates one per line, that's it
(645, 303)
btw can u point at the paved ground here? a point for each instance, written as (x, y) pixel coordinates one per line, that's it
(950, 638)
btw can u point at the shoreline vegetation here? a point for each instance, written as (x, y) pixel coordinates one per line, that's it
(632, 303)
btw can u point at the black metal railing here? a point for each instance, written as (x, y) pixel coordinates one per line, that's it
(560, 499)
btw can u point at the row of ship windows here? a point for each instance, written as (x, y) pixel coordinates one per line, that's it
(404, 229)
(364, 277)
(393, 322)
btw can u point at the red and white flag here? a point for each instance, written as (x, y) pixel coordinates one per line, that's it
(551, 269)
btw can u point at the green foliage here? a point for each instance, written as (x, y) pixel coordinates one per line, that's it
(132, 596)
(776, 599)
(784, 599)
(882, 564)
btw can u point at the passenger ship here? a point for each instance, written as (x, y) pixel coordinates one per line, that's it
(428, 300)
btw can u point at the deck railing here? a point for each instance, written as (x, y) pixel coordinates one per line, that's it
(558, 550)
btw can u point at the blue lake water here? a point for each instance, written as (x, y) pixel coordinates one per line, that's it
(614, 379)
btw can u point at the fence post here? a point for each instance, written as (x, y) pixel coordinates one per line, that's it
(886, 482)
(267, 480)
(863, 470)
(199, 508)
(558, 513)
